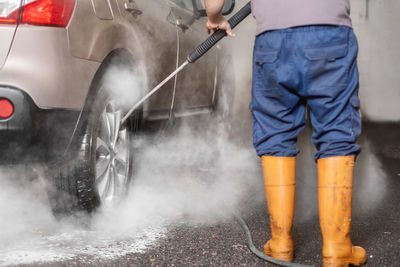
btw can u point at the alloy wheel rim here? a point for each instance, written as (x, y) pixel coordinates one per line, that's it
(112, 156)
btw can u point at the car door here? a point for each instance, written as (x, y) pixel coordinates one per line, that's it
(158, 39)
(196, 83)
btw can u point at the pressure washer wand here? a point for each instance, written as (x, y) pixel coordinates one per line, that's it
(196, 54)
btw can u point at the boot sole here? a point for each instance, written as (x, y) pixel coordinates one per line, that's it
(341, 263)
(357, 258)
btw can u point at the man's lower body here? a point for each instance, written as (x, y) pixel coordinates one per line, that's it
(312, 66)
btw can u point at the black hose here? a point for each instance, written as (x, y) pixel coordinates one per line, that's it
(259, 253)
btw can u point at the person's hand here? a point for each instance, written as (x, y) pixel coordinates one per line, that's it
(219, 23)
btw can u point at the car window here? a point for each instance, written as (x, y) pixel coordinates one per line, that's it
(187, 4)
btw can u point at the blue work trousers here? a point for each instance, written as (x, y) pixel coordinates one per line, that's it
(296, 67)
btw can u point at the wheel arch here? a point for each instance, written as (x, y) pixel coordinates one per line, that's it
(116, 55)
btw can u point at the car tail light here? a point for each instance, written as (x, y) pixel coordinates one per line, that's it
(48, 12)
(6, 108)
(55, 13)
(9, 11)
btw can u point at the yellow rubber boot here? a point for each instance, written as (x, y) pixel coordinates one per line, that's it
(280, 187)
(335, 185)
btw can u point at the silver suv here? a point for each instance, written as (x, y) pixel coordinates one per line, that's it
(70, 69)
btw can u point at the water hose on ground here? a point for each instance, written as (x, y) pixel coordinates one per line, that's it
(260, 254)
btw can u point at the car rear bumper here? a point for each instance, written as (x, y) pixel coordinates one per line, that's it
(16, 131)
(21, 119)
(32, 133)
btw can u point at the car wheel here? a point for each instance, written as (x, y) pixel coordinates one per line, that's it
(101, 170)
(112, 159)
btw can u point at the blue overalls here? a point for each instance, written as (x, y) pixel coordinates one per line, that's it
(310, 65)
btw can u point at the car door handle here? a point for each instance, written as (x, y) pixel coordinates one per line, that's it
(181, 25)
(130, 6)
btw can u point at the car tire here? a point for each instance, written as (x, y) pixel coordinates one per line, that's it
(100, 171)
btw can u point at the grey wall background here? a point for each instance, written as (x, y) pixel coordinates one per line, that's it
(377, 25)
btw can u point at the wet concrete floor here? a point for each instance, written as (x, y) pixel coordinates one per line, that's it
(375, 224)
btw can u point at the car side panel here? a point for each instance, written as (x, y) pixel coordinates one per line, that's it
(196, 83)
(40, 64)
(158, 40)
(149, 39)
(90, 37)
(6, 37)
(102, 9)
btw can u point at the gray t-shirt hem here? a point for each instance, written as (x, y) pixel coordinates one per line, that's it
(261, 28)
